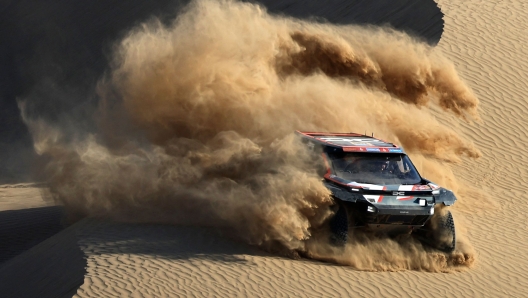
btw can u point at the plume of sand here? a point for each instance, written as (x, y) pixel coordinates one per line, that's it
(196, 121)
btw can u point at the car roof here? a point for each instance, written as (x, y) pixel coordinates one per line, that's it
(351, 142)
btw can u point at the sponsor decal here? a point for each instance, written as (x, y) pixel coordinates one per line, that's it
(421, 187)
(395, 150)
(434, 186)
(373, 149)
(348, 149)
(398, 193)
(358, 141)
(354, 141)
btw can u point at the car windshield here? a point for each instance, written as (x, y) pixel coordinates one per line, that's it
(378, 168)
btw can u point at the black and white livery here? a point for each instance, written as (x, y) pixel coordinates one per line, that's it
(376, 187)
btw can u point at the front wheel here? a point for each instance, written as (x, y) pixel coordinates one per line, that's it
(446, 235)
(439, 232)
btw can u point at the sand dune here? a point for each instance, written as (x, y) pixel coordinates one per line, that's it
(489, 53)
(487, 42)
(20, 196)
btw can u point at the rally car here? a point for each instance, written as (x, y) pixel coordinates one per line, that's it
(376, 187)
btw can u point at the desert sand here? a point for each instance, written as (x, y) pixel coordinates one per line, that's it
(101, 258)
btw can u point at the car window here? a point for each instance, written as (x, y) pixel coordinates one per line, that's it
(382, 169)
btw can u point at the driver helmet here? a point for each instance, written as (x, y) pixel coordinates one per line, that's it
(377, 166)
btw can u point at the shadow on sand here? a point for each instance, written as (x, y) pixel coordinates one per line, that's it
(22, 229)
(53, 268)
(163, 241)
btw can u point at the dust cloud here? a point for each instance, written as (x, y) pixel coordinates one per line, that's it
(371, 251)
(196, 121)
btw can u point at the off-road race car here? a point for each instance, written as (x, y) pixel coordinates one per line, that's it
(377, 188)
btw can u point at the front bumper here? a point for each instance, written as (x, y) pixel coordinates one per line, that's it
(395, 215)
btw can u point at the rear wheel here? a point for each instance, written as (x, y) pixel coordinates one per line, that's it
(339, 227)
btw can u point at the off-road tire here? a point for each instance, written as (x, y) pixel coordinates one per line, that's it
(442, 236)
(446, 224)
(339, 227)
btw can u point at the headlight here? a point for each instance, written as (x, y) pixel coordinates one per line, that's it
(431, 211)
(422, 202)
(371, 209)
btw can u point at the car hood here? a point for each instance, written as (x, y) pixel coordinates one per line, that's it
(393, 194)
(383, 194)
